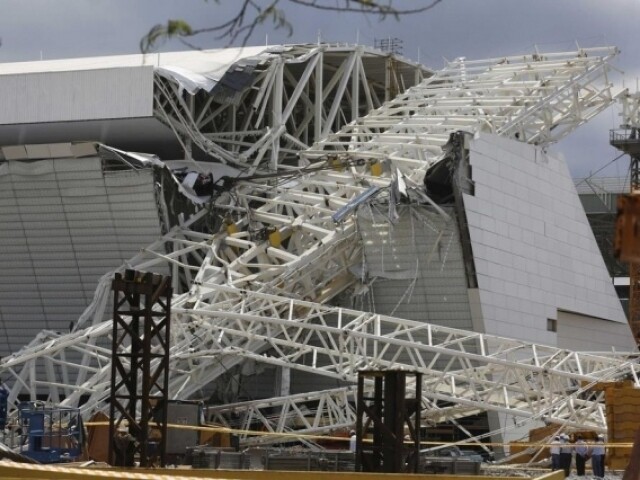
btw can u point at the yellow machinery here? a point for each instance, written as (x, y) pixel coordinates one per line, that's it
(622, 402)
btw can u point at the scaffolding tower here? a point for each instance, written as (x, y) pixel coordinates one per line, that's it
(139, 390)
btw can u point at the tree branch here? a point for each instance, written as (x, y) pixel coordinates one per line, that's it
(243, 24)
(365, 6)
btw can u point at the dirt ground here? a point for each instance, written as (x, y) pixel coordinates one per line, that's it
(513, 471)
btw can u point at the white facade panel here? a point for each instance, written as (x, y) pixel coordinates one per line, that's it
(535, 254)
(76, 95)
(576, 332)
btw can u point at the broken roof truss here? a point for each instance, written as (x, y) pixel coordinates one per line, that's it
(278, 104)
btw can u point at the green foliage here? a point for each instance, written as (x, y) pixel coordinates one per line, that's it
(278, 17)
(160, 33)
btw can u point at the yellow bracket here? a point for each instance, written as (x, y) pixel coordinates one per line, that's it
(376, 169)
(275, 239)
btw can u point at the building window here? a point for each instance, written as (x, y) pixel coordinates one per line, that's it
(552, 325)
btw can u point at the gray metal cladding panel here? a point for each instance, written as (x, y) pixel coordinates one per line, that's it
(40, 240)
(84, 191)
(15, 298)
(6, 190)
(73, 168)
(21, 335)
(87, 209)
(63, 226)
(45, 189)
(437, 292)
(122, 179)
(15, 235)
(130, 198)
(72, 96)
(438, 284)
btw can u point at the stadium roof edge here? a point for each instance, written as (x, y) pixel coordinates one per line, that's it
(196, 60)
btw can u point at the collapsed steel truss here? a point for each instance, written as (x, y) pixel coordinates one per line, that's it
(537, 99)
(258, 288)
(523, 379)
(297, 96)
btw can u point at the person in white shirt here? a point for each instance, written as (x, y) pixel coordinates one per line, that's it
(554, 450)
(597, 457)
(582, 453)
(352, 441)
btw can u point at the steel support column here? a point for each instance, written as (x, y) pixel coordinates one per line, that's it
(388, 423)
(140, 368)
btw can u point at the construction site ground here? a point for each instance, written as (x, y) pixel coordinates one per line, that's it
(14, 471)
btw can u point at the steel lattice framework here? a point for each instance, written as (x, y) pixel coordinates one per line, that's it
(506, 375)
(258, 289)
(536, 98)
(297, 95)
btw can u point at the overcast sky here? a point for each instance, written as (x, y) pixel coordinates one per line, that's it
(50, 29)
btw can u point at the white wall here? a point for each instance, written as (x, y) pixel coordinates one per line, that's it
(76, 96)
(534, 251)
(576, 332)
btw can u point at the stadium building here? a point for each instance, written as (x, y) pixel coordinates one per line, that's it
(335, 186)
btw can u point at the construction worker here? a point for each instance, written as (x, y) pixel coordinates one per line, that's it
(582, 454)
(597, 457)
(566, 454)
(125, 446)
(555, 453)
